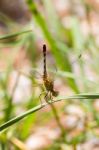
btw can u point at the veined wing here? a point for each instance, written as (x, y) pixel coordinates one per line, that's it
(32, 74)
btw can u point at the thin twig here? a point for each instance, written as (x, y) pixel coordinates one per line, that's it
(57, 118)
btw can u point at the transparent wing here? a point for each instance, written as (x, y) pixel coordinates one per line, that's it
(35, 73)
(32, 74)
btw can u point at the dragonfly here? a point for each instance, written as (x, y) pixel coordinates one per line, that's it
(48, 89)
(48, 82)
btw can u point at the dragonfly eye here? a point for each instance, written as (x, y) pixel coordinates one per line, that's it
(55, 93)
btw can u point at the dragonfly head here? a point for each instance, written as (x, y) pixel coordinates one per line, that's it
(55, 93)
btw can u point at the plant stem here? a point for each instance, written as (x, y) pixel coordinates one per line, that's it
(74, 147)
(10, 100)
(2, 147)
(57, 118)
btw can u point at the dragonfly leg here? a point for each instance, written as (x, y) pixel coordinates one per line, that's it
(40, 97)
(51, 97)
(46, 97)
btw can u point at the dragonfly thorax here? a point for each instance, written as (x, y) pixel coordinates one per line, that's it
(49, 85)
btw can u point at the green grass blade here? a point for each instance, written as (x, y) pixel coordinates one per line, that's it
(14, 34)
(20, 117)
(61, 58)
(76, 35)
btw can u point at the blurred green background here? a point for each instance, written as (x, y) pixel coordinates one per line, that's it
(70, 30)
